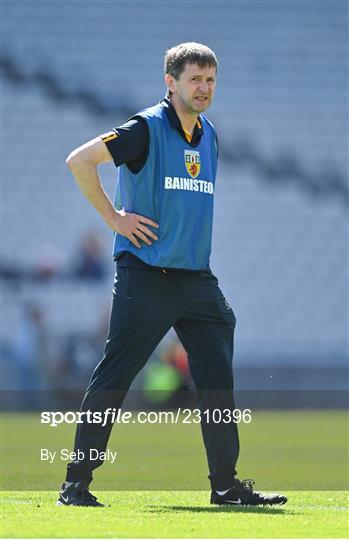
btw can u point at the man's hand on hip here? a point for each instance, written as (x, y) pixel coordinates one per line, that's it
(133, 227)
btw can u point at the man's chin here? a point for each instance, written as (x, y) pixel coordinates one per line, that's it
(200, 107)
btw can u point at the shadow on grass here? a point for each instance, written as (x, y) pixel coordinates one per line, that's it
(220, 509)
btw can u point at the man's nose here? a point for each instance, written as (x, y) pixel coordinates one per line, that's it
(203, 87)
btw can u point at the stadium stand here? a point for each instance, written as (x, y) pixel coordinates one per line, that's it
(73, 70)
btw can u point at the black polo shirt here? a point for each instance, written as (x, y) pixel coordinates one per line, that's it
(129, 143)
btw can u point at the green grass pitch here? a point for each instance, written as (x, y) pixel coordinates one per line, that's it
(158, 485)
(145, 514)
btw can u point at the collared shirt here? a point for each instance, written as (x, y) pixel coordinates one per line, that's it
(129, 143)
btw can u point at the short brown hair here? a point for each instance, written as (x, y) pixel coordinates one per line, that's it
(188, 53)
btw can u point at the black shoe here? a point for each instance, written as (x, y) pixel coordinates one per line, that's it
(76, 494)
(242, 494)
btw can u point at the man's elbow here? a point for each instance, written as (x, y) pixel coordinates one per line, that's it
(90, 154)
(73, 159)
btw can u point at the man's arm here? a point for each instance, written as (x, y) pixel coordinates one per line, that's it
(83, 164)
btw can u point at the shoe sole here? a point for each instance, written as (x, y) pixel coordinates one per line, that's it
(281, 503)
(60, 503)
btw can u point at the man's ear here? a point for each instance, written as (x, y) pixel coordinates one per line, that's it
(170, 82)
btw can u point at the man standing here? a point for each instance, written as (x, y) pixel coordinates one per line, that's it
(162, 218)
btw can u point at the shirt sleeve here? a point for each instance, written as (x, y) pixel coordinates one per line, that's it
(129, 143)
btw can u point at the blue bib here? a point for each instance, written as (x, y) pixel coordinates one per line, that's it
(175, 188)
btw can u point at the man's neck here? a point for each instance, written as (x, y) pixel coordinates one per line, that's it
(187, 119)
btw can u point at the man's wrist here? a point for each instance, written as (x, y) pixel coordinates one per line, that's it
(113, 219)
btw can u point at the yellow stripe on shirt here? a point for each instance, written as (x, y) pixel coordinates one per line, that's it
(106, 137)
(187, 135)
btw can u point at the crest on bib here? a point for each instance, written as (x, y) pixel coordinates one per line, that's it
(192, 162)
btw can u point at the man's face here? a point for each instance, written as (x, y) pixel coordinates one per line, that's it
(194, 90)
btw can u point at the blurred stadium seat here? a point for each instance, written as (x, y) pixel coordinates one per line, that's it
(73, 70)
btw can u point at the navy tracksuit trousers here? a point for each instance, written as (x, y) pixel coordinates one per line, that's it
(147, 302)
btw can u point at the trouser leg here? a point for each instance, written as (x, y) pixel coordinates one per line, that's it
(207, 333)
(143, 310)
